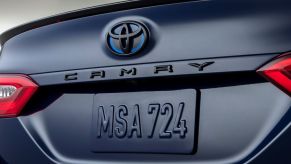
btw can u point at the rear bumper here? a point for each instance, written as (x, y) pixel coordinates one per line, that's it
(240, 130)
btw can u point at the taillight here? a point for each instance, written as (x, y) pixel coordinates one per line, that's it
(278, 72)
(15, 91)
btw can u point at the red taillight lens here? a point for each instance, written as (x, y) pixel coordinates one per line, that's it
(15, 91)
(279, 72)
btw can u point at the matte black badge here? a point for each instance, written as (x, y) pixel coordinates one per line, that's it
(127, 38)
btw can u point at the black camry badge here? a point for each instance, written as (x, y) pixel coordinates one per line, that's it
(127, 38)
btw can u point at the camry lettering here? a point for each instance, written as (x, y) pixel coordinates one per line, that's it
(131, 71)
(142, 70)
(163, 68)
(201, 66)
(71, 76)
(97, 74)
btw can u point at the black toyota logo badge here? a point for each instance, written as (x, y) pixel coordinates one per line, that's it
(127, 38)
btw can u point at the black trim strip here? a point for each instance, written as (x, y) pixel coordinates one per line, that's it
(100, 9)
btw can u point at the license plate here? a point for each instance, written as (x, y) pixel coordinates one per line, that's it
(146, 122)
